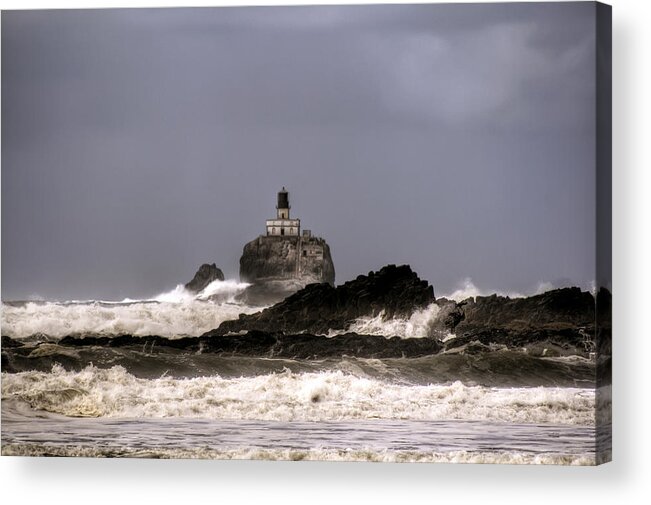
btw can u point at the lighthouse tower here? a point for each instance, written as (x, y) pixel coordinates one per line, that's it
(283, 226)
(282, 209)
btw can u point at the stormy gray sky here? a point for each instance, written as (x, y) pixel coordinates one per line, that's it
(137, 144)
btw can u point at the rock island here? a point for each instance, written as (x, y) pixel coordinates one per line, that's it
(285, 259)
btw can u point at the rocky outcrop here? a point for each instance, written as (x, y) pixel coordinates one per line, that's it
(560, 322)
(273, 257)
(449, 316)
(556, 309)
(206, 274)
(277, 266)
(395, 291)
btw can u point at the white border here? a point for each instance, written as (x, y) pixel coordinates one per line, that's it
(626, 480)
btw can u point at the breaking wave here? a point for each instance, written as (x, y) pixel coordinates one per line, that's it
(171, 314)
(224, 291)
(467, 289)
(179, 312)
(288, 396)
(417, 326)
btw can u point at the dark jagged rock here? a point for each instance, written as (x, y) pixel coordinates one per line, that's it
(207, 273)
(556, 309)
(277, 266)
(560, 322)
(394, 290)
(10, 342)
(449, 316)
(273, 257)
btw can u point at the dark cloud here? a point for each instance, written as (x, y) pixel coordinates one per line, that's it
(138, 143)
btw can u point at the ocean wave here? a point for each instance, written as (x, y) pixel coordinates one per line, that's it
(172, 314)
(466, 288)
(418, 325)
(317, 454)
(288, 396)
(217, 290)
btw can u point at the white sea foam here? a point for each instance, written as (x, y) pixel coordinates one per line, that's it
(467, 289)
(316, 454)
(417, 326)
(171, 314)
(217, 290)
(288, 396)
(420, 323)
(178, 295)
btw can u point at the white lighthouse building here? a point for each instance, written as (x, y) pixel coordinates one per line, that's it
(283, 225)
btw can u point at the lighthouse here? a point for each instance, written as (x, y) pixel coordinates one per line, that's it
(284, 259)
(282, 208)
(282, 225)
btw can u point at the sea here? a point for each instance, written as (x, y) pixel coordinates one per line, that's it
(160, 402)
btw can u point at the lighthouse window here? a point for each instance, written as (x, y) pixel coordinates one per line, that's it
(282, 231)
(304, 252)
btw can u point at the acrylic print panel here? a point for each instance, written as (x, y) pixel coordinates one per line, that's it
(401, 213)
